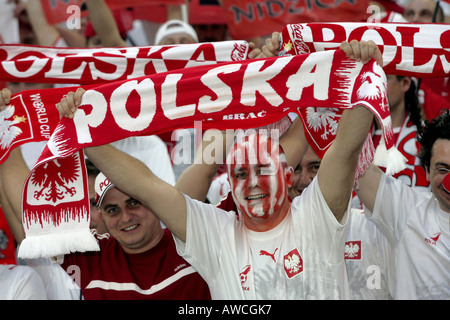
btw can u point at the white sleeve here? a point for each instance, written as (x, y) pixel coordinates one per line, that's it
(58, 284)
(205, 234)
(390, 213)
(318, 225)
(28, 284)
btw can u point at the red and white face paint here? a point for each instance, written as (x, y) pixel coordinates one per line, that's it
(256, 176)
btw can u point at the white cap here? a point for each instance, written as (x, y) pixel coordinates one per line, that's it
(174, 26)
(102, 185)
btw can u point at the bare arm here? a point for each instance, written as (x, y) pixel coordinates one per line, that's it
(197, 178)
(104, 24)
(13, 173)
(294, 143)
(368, 186)
(46, 33)
(337, 169)
(134, 178)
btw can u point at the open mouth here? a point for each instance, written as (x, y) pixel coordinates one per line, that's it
(130, 228)
(256, 197)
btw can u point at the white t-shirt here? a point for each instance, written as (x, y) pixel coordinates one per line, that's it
(302, 258)
(59, 285)
(20, 283)
(419, 232)
(370, 260)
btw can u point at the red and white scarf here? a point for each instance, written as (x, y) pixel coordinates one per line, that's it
(418, 50)
(34, 117)
(19, 63)
(260, 91)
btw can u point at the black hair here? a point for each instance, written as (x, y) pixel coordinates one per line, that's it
(412, 104)
(91, 168)
(438, 128)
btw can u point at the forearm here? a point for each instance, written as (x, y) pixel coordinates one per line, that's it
(46, 34)
(104, 23)
(197, 178)
(337, 169)
(12, 217)
(102, 157)
(13, 173)
(368, 186)
(294, 143)
(135, 179)
(354, 126)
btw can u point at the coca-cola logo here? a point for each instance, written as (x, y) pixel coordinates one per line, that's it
(239, 52)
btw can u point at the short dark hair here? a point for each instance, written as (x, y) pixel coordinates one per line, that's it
(438, 128)
(91, 168)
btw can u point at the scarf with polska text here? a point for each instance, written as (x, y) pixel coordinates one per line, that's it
(417, 50)
(30, 121)
(262, 90)
(28, 63)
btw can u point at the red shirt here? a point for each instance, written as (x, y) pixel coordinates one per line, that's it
(159, 273)
(433, 104)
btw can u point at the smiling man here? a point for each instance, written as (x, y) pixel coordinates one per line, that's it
(259, 178)
(138, 260)
(416, 223)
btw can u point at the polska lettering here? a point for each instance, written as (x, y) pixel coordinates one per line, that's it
(88, 66)
(248, 81)
(409, 49)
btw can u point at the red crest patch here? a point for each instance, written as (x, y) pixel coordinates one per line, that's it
(353, 250)
(293, 263)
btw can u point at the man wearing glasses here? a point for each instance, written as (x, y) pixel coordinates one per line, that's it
(417, 224)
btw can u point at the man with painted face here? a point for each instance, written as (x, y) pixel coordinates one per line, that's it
(259, 178)
(274, 250)
(417, 224)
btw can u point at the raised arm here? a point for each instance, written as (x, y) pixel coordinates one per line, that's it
(13, 173)
(210, 155)
(368, 186)
(337, 169)
(46, 34)
(104, 24)
(294, 143)
(133, 177)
